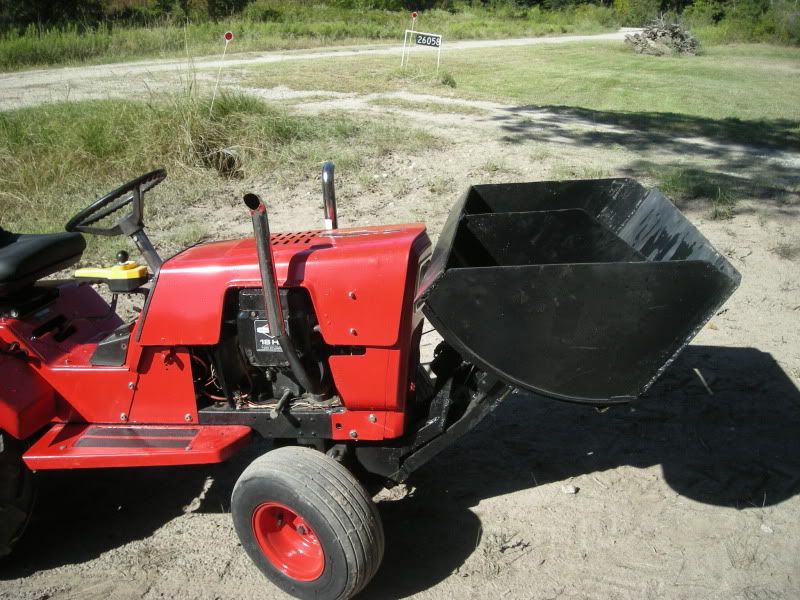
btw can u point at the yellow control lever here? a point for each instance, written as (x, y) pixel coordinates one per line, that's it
(123, 277)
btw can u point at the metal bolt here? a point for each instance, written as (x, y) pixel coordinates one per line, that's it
(351, 294)
(373, 419)
(353, 433)
(187, 417)
(353, 331)
(301, 530)
(131, 385)
(123, 417)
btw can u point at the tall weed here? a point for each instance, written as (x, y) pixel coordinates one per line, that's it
(58, 157)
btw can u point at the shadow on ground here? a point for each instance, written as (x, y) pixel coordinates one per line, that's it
(735, 158)
(671, 131)
(737, 447)
(81, 514)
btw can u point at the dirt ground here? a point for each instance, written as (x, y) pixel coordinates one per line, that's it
(691, 492)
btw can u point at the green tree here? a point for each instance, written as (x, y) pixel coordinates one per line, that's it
(16, 13)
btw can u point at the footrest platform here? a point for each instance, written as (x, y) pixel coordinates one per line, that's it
(83, 446)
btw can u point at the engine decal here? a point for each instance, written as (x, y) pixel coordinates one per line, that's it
(264, 341)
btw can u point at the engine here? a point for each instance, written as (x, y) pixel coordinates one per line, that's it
(249, 367)
(257, 343)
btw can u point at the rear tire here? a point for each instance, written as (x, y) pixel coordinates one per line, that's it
(308, 524)
(16, 493)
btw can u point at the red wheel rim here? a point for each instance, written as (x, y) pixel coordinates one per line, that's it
(288, 541)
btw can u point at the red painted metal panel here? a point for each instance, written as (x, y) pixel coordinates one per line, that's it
(93, 394)
(83, 392)
(367, 425)
(361, 380)
(80, 446)
(27, 403)
(357, 279)
(165, 390)
(380, 378)
(84, 310)
(377, 380)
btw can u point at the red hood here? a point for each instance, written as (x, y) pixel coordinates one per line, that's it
(357, 279)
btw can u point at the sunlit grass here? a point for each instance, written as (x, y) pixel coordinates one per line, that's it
(751, 83)
(57, 158)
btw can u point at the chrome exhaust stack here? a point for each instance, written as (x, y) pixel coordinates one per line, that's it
(331, 220)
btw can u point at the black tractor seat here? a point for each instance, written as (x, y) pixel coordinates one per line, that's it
(27, 257)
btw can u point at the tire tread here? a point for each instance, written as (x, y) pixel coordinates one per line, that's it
(16, 493)
(339, 497)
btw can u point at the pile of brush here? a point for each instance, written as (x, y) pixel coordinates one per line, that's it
(663, 37)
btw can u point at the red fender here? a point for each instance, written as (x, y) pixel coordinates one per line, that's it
(27, 402)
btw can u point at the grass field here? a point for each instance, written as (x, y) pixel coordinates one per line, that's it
(746, 82)
(294, 26)
(58, 157)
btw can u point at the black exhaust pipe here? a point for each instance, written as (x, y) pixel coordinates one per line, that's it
(272, 299)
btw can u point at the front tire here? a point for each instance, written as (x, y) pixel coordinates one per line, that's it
(308, 524)
(16, 493)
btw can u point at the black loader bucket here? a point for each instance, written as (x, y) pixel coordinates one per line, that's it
(579, 290)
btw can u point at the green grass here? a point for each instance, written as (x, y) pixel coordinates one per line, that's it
(58, 158)
(745, 82)
(653, 107)
(607, 76)
(291, 25)
(429, 107)
(494, 167)
(736, 94)
(688, 184)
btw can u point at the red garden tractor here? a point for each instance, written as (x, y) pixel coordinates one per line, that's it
(583, 291)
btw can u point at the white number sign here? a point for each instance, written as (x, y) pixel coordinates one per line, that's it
(420, 38)
(428, 39)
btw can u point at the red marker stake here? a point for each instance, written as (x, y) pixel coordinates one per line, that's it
(228, 37)
(404, 58)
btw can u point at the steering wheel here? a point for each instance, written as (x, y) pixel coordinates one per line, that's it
(131, 194)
